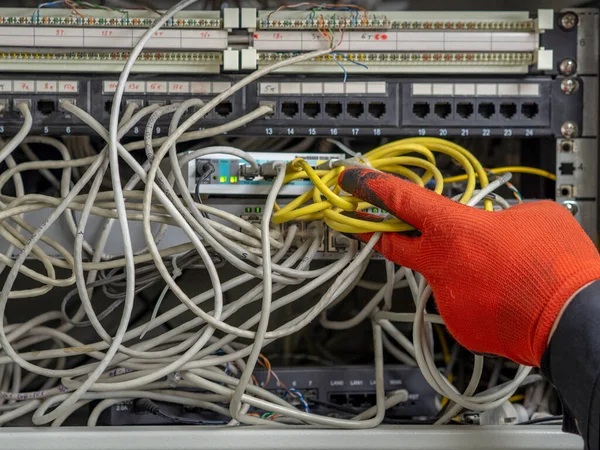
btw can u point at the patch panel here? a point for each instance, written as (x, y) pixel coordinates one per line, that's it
(485, 110)
(54, 39)
(307, 111)
(45, 109)
(46, 61)
(289, 19)
(401, 42)
(177, 91)
(324, 106)
(383, 42)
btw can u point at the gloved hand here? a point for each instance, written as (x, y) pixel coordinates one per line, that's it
(499, 278)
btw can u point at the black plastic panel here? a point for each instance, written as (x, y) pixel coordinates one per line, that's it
(350, 387)
(396, 113)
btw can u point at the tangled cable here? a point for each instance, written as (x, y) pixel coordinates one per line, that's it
(326, 202)
(219, 366)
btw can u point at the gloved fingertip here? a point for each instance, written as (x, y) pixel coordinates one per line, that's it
(353, 180)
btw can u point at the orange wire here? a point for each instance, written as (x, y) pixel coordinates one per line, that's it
(74, 8)
(341, 38)
(267, 365)
(321, 29)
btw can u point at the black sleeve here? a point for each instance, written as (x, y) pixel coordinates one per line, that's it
(572, 364)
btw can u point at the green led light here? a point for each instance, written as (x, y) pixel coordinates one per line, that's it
(248, 210)
(257, 210)
(233, 179)
(375, 210)
(222, 179)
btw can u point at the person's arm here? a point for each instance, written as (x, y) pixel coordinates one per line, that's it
(572, 364)
(502, 280)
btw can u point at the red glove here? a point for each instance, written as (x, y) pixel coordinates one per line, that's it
(499, 279)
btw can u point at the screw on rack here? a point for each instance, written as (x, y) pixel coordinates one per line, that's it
(568, 21)
(567, 66)
(571, 206)
(569, 129)
(569, 86)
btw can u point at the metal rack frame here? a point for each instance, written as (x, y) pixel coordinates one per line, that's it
(275, 438)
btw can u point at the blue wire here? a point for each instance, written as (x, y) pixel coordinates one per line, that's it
(343, 68)
(45, 5)
(302, 399)
(354, 62)
(51, 4)
(349, 60)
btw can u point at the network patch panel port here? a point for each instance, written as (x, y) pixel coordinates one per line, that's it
(309, 395)
(338, 399)
(377, 109)
(442, 110)
(565, 190)
(62, 101)
(333, 109)
(508, 110)
(336, 241)
(486, 110)
(252, 220)
(46, 107)
(108, 104)
(357, 400)
(249, 172)
(224, 109)
(299, 227)
(355, 109)
(464, 109)
(137, 102)
(300, 233)
(421, 109)
(530, 110)
(324, 241)
(290, 109)
(312, 110)
(18, 101)
(187, 113)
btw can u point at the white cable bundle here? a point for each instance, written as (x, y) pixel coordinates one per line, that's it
(129, 368)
